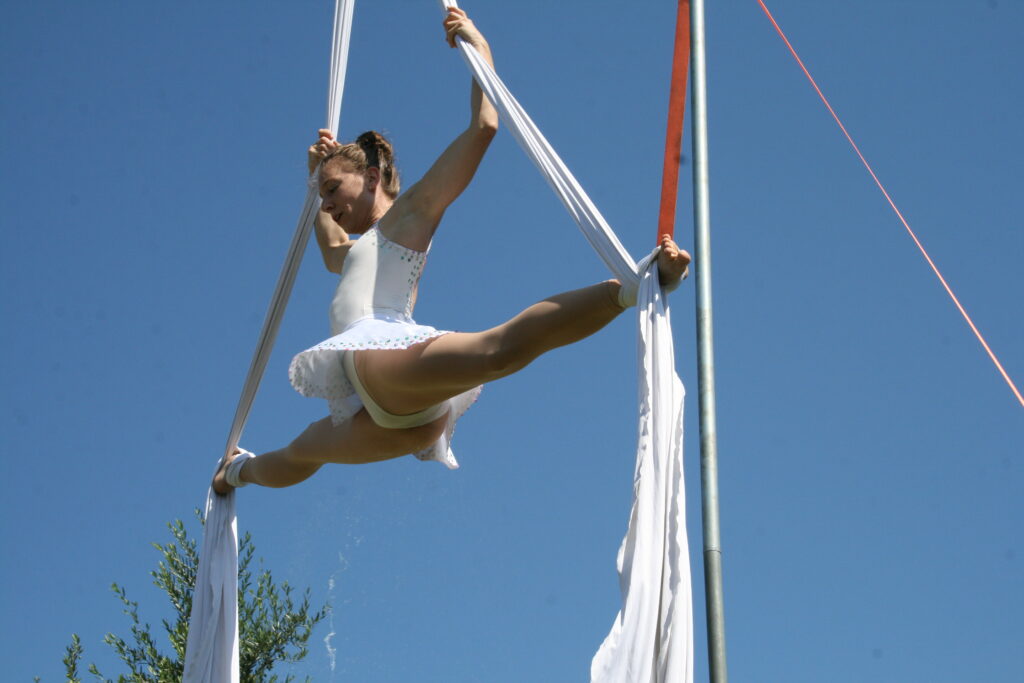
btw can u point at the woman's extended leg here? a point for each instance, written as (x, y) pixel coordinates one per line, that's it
(408, 380)
(353, 442)
(405, 381)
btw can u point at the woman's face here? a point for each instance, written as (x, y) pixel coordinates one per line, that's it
(347, 196)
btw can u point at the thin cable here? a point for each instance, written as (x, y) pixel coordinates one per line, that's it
(906, 225)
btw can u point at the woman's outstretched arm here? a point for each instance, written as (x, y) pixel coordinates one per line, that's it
(423, 204)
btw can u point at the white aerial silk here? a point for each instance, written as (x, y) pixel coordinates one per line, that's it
(211, 653)
(651, 640)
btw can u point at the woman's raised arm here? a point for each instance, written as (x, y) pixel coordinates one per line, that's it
(424, 203)
(332, 239)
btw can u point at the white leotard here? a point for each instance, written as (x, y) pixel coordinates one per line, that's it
(379, 279)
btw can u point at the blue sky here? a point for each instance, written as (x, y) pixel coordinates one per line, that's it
(871, 469)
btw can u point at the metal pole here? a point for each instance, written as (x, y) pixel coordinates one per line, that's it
(705, 356)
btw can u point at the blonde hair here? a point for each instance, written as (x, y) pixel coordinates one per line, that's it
(370, 150)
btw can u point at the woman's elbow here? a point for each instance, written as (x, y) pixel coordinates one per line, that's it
(487, 128)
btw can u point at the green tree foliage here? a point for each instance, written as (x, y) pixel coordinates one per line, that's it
(272, 627)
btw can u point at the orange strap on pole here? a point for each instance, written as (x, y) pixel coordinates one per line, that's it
(674, 131)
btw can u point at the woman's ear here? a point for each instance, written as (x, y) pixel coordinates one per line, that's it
(372, 178)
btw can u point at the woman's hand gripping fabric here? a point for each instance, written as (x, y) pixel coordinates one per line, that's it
(457, 23)
(320, 149)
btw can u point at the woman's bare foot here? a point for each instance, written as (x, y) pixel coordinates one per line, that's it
(673, 263)
(220, 483)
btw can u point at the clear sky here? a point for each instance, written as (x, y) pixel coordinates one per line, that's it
(871, 456)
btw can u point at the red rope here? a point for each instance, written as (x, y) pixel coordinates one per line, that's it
(906, 225)
(674, 130)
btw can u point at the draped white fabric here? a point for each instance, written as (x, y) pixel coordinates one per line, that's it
(211, 653)
(651, 640)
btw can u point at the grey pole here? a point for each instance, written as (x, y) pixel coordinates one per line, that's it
(705, 356)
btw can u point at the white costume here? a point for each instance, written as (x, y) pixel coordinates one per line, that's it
(372, 309)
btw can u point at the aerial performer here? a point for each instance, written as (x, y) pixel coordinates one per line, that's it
(393, 386)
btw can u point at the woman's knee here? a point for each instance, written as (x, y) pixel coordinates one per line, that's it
(503, 354)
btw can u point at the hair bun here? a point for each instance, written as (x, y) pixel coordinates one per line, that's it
(378, 149)
(368, 139)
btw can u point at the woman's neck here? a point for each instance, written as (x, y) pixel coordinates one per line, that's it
(377, 211)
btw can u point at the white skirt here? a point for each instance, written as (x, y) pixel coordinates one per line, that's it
(318, 372)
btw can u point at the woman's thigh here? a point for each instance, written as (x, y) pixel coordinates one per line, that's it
(359, 440)
(404, 381)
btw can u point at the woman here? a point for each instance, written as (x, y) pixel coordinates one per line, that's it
(395, 387)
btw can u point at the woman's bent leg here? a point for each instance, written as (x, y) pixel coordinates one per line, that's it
(354, 441)
(408, 380)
